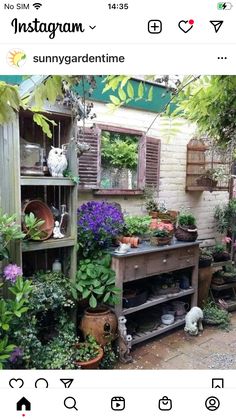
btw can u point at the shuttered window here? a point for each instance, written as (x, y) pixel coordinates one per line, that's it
(90, 162)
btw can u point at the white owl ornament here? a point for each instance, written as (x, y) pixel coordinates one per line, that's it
(57, 162)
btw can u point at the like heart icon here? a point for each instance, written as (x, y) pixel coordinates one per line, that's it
(16, 383)
(186, 25)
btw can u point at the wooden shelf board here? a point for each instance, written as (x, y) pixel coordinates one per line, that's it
(45, 181)
(142, 336)
(117, 192)
(204, 188)
(152, 301)
(31, 246)
(223, 263)
(222, 287)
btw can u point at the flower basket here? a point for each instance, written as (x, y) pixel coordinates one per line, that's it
(206, 181)
(186, 233)
(221, 256)
(160, 241)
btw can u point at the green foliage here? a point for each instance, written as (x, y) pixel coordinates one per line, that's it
(124, 92)
(32, 226)
(219, 248)
(109, 359)
(160, 233)
(136, 225)
(51, 291)
(186, 219)
(119, 150)
(11, 310)
(44, 122)
(75, 179)
(9, 231)
(205, 253)
(210, 102)
(9, 102)
(215, 314)
(87, 350)
(95, 281)
(226, 217)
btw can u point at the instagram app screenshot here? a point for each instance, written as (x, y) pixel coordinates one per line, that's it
(117, 209)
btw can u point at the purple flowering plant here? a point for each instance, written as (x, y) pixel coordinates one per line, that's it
(11, 272)
(98, 224)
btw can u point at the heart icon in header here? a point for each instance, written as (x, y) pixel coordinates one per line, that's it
(186, 25)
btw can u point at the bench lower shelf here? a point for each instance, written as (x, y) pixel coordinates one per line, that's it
(142, 336)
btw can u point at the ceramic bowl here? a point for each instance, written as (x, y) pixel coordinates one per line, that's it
(167, 319)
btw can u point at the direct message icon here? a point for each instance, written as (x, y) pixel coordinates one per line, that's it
(165, 404)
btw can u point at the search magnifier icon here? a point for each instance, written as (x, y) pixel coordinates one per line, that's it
(70, 403)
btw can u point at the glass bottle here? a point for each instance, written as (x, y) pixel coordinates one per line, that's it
(64, 223)
(56, 266)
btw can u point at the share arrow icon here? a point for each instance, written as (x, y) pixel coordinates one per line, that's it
(67, 382)
(217, 24)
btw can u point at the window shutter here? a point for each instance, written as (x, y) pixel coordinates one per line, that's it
(152, 173)
(90, 162)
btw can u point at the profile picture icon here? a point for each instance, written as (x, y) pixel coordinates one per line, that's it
(16, 58)
(212, 403)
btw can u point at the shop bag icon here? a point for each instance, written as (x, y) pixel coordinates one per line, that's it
(165, 403)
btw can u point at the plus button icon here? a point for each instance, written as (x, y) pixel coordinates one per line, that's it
(155, 26)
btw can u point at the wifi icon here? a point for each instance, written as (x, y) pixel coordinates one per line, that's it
(37, 5)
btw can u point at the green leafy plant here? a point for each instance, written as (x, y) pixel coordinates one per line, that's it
(95, 281)
(87, 350)
(216, 315)
(225, 217)
(119, 150)
(109, 359)
(11, 310)
(186, 219)
(219, 248)
(70, 175)
(161, 233)
(136, 225)
(9, 231)
(150, 201)
(205, 254)
(32, 226)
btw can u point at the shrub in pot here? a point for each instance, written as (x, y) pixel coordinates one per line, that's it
(95, 281)
(160, 237)
(220, 253)
(205, 258)
(186, 229)
(88, 354)
(135, 227)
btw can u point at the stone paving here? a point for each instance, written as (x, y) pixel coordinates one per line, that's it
(212, 349)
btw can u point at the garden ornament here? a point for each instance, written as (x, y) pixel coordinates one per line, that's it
(193, 321)
(123, 248)
(57, 162)
(124, 341)
(57, 232)
(82, 148)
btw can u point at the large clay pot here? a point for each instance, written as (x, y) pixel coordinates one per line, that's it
(42, 212)
(92, 364)
(100, 323)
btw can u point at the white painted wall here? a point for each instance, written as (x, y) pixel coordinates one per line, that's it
(172, 169)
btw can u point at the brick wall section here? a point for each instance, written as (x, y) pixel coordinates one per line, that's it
(172, 170)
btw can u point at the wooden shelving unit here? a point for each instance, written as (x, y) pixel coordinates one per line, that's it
(15, 187)
(148, 261)
(215, 289)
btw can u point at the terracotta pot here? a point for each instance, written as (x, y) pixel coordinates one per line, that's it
(153, 214)
(42, 212)
(100, 323)
(133, 241)
(92, 364)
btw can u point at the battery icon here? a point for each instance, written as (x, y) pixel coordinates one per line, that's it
(224, 5)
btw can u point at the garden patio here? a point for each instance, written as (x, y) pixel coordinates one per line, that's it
(117, 222)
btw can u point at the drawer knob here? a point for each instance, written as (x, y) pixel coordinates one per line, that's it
(136, 266)
(164, 260)
(188, 260)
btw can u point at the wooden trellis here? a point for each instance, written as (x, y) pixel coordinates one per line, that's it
(203, 158)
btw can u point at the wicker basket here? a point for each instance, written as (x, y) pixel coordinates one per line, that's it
(160, 241)
(186, 234)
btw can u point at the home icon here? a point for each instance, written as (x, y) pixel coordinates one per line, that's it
(23, 403)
